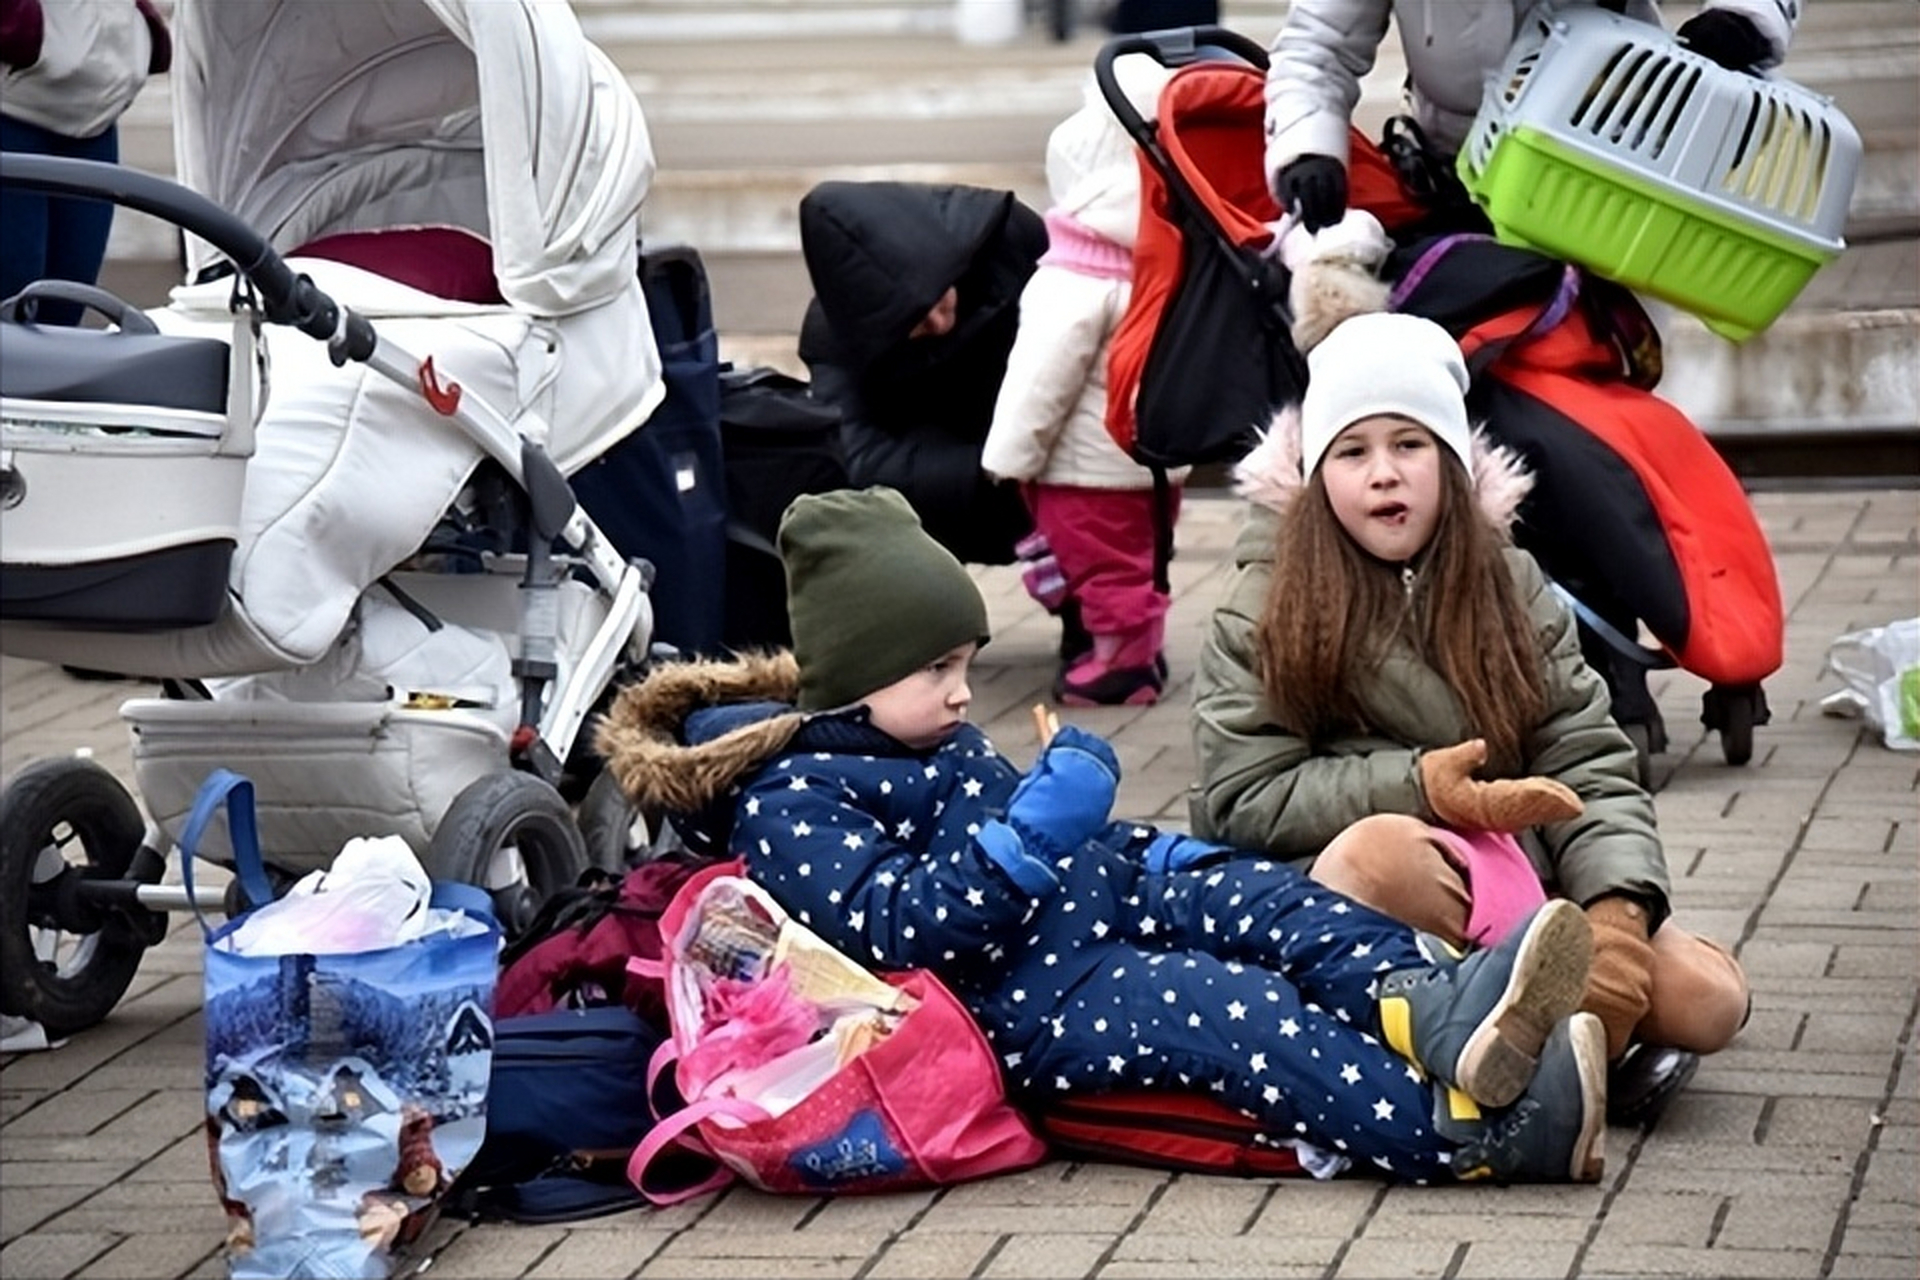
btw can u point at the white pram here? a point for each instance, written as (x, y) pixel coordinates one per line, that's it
(312, 560)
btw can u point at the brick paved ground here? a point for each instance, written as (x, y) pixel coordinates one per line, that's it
(1796, 1153)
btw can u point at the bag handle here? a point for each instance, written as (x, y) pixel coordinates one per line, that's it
(223, 786)
(672, 1131)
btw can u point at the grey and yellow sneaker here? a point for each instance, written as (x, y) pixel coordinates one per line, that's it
(1556, 1132)
(1478, 1023)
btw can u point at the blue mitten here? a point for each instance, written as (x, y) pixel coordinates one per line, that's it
(1066, 796)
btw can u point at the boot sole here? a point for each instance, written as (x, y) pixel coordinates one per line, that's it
(1588, 1159)
(1549, 979)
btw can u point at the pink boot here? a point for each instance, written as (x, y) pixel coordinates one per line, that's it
(1124, 670)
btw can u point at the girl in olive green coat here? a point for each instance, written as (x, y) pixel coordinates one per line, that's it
(1380, 642)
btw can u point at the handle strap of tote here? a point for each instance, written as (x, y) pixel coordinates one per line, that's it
(235, 792)
(673, 1130)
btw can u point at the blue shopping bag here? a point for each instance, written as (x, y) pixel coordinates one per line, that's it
(345, 1091)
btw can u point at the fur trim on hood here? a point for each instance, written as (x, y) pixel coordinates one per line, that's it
(1334, 273)
(1333, 280)
(1270, 474)
(640, 735)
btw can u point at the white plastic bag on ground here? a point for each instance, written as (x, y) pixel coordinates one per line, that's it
(1880, 667)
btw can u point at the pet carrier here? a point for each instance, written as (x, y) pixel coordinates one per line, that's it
(1605, 142)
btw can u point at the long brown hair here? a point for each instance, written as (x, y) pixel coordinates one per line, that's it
(1332, 611)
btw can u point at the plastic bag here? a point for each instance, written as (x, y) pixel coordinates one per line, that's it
(373, 895)
(1881, 669)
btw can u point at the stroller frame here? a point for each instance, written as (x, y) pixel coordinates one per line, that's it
(509, 831)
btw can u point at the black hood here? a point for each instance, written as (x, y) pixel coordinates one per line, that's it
(880, 254)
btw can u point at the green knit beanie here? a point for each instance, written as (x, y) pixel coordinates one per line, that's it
(871, 597)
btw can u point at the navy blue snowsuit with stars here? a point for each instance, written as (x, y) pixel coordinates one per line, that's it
(1239, 975)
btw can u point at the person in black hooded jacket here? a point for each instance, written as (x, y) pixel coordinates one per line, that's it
(916, 300)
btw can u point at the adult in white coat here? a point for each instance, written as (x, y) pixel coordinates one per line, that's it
(1325, 47)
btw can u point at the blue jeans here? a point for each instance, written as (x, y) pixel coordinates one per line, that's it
(46, 237)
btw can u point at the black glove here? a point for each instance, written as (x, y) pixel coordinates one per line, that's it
(1314, 189)
(1726, 37)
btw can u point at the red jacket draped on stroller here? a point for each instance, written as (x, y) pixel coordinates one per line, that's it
(1633, 513)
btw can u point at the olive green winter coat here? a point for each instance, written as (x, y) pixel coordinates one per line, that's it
(1260, 787)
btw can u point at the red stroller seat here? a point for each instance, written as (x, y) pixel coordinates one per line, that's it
(1634, 514)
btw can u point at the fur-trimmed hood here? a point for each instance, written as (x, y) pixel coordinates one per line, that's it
(643, 735)
(1270, 475)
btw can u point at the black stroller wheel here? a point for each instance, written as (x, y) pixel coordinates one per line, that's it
(1734, 710)
(63, 964)
(513, 835)
(1736, 729)
(617, 833)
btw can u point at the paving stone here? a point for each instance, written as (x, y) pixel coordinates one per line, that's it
(1048, 1256)
(1516, 1260)
(674, 1266)
(886, 1213)
(1495, 1221)
(1684, 1218)
(1701, 1264)
(51, 1254)
(75, 1114)
(1033, 1216)
(935, 1256)
(1851, 1266)
(146, 1257)
(26, 1207)
(1881, 1242)
(773, 1245)
(1757, 1219)
(90, 1174)
(1198, 1205)
(599, 1255)
(1391, 1259)
(496, 1253)
(1820, 1122)
(1301, 1207)
(1244, 1256)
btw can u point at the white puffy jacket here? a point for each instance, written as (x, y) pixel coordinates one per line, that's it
(1325, 47)
(1050, 423)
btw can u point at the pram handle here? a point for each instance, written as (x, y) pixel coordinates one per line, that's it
(129, 318)
(1172, 48)
(287, 298)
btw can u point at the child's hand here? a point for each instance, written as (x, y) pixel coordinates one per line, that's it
(1066, 796)
(1460, 800)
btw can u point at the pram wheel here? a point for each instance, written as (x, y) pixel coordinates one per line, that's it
(617, 834)
(1734, 710)
(63, 962)
(513, 835)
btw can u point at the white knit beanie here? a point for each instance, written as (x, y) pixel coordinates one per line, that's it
(1384, 362)
(1093, 174)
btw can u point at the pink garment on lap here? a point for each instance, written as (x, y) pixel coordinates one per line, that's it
(1502, 885)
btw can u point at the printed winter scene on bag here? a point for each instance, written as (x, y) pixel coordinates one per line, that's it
(340, 1104)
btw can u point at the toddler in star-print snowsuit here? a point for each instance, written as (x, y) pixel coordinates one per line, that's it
(1096, 955)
